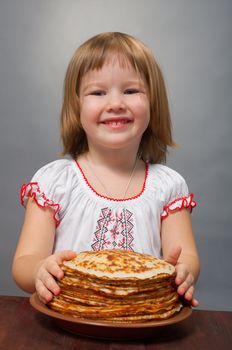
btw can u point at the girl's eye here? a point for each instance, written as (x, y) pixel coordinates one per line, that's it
(98, 93)
(131, 91)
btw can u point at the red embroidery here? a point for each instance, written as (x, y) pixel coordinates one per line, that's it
(114, 230)
(178, 204)
(32, 190)
(114, 199)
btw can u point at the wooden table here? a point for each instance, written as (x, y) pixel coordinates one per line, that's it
(22, 328)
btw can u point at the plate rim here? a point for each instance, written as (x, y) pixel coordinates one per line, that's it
(35, 302)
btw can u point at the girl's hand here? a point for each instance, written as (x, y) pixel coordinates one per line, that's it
(48, 271)
(184, 278)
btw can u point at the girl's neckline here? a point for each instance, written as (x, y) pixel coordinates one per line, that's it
(110, 198)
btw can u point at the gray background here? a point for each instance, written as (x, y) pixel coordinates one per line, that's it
(192, 41)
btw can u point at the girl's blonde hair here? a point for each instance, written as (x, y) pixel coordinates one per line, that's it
(92, 55)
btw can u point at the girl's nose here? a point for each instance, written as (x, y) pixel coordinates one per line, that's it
(115, 103)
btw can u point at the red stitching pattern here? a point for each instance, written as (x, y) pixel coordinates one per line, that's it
(32, 190)
(114, 199)
(178, 204)
(114, 230)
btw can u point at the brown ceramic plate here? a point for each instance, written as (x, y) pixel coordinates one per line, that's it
(104, 329)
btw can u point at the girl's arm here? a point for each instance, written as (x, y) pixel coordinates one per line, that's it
(179, 248)
(34, 267)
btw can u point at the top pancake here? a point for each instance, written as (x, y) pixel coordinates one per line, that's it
(119, 264)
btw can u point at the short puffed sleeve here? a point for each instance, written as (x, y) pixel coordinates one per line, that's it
(174, 192)
(50, 187)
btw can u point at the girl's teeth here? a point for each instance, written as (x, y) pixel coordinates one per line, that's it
(116, 122)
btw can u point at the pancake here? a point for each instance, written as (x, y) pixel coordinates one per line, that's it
(117, 286)
(118, 265)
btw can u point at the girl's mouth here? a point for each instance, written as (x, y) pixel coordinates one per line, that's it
(117, 122)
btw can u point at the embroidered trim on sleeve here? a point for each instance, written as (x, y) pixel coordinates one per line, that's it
(178, 204)
(32, 190)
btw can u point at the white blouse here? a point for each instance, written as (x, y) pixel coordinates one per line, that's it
(85, 220)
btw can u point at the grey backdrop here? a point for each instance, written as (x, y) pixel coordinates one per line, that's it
(192, 41)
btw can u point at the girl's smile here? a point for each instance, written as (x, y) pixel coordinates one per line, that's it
(117, 123)
(114, 106)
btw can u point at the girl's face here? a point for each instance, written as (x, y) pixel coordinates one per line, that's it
(114, 106)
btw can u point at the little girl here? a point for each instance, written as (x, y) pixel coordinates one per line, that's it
(114, 193)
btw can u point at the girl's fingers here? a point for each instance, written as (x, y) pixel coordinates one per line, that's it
(188, 295)
(181, 274)
(64, 255)
(186, 285)
(54, 269)
(43, 293)
(195, 302)
(45, 283)
(49, 282)
(55, 260)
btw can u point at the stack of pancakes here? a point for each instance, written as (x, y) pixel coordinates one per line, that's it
(117, 286)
